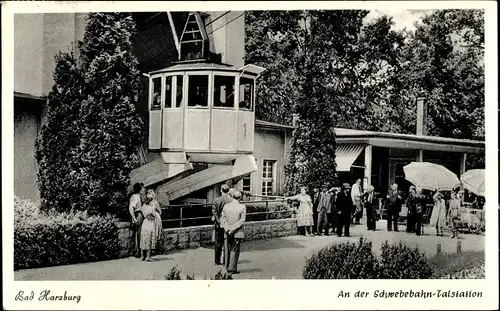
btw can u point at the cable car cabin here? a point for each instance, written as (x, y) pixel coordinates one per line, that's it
(202, 110)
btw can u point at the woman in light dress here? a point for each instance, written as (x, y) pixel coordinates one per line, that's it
(455, 212)
(305, 212)
(438, 216)
(152, 225)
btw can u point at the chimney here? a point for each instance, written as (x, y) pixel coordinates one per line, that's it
(421, 116)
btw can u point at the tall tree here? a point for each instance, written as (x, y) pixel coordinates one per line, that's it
(59, 134)
(271, 42)
(97, 164)
(443, 60)
(326, 45)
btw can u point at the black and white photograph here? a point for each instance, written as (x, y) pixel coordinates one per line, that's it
(250, 144)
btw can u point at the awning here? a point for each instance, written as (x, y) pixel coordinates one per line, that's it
(257, 70)
(346, 154)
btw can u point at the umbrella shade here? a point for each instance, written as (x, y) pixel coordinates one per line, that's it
(430, 176)
(473, 181)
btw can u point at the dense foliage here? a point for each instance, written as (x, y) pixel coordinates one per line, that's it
(342, 261)
(357, 261)
(52, 238)
(402, 262)
(343, 69)
(86, 148)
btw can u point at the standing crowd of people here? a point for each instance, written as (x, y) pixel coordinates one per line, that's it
(333, 209)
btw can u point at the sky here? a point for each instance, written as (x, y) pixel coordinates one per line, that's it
(402, 18)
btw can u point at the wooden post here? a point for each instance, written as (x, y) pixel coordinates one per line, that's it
(463, 162)
(420, 155)
(438, 248)
(459, 247)
(267, 210)
(181, 217)
(368, 164)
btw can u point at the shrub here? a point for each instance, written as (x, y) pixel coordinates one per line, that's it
(402, 262)
(50, 238)
(24, 210)
(342, 261)
(357, 261)
(175, 274)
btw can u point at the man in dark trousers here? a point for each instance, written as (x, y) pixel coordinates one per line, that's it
(371, 204)
(394, 207)
(419, 209)
(411, 206)
(344, 210)
(324, 208)
(332, 215)
(218, 230)
(315, 199)
(232, 218)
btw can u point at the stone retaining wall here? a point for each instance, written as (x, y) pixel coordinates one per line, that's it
(192, 237)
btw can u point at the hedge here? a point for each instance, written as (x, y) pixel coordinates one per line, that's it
(342, 261)
(44, 239)
(357, 261)
(399, 261)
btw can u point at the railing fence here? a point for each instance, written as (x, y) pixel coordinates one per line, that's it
(188, 215)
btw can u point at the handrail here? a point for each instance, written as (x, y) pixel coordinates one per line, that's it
(182, 219)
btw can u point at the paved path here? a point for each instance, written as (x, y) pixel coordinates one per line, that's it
(281, 258)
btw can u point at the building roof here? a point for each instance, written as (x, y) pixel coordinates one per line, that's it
(343, 132)
(393, 140)
(408, 141)
(20, 95)
(195, 65)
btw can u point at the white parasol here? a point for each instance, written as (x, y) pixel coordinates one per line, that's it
(473, 180)
(430, 176)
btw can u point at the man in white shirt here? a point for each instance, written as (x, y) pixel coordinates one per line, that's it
(232, 218)
(356, 193)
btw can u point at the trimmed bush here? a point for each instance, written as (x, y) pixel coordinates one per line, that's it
(357, 261)
(342, 261)
(44, 239)
(402, 262)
